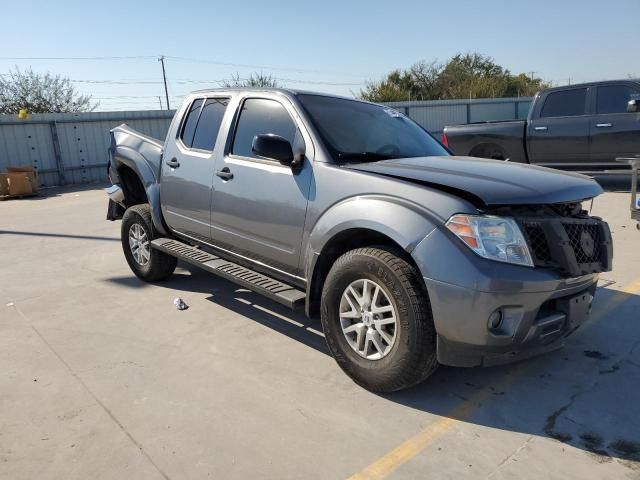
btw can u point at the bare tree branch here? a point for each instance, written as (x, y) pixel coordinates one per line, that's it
(41, 93)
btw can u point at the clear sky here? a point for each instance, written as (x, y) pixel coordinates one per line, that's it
(326, 45)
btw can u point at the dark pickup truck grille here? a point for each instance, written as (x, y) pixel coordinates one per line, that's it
(574, 246)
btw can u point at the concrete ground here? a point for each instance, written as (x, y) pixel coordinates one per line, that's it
(101, 377)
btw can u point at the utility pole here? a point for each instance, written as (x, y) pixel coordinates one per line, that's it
(531, 74)
(569, 81)
(160, 100)
(164, 78)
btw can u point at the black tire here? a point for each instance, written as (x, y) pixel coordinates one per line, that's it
(412, 357)
(159, 265)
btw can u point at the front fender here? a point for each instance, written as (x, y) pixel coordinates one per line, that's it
(401, 220)
(405, 222)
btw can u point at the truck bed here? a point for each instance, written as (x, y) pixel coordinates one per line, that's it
(128, 145)
(500, 140)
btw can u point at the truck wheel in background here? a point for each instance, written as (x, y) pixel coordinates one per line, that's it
(377, 320)
(136, 233)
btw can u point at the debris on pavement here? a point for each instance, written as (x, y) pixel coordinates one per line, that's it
(180, 305)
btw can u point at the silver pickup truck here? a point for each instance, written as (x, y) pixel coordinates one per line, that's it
(350, 210)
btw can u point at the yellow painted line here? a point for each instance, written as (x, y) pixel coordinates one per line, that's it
(391, 461)
(408, 449)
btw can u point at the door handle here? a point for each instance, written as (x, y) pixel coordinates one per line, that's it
(225, 174)
(540, 129)
(173, 163)
(603, 125)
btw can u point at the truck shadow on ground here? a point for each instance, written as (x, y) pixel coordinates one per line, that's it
(585, 395)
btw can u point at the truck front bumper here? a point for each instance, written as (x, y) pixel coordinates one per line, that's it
(488, 313)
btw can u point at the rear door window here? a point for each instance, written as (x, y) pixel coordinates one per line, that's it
(209, 123)
(565, 103)
(614, 98)
(191, 120)
(261, 116)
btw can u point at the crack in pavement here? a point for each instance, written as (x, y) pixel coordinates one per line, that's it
(93, 395)
(510, 456)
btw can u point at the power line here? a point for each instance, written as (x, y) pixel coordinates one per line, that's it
(189, 60)
(263, 67)
(130, 57)
(219, 81)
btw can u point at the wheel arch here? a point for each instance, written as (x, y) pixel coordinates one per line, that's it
(489, 150)
(138, 182)
(361, 222)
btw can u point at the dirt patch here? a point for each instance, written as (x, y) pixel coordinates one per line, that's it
(597, 354)
(626, 449)
(614, 368)
(593, 443)
(550, 425)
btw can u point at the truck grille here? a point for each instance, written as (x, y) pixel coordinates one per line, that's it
(537, 241)
(585, 240)
(574, 246)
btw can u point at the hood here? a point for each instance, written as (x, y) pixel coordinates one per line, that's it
(493, 182)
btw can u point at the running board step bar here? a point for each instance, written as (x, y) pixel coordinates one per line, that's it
(277, 291)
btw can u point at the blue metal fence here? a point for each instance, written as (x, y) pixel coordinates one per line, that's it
(72, 147)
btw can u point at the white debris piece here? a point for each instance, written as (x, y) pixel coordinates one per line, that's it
(180, 305)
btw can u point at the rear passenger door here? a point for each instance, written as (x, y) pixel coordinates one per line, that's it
(187, 172)
(259, 206)
(614, 132)
(558, 132)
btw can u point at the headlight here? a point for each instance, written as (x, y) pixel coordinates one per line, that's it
(495, 238)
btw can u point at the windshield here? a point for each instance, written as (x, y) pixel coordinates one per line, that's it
(356, 130)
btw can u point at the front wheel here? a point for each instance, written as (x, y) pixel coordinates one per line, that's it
(377, 320)
(136, 234)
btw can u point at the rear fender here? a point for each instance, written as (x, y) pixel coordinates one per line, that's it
(123, 153)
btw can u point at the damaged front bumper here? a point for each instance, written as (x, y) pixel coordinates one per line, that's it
(488, 313)
(508, 327)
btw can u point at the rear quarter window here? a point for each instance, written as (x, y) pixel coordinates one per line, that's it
(565, 103)
(190, 122)
(209, 122)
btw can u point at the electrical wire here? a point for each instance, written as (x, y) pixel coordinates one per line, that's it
(189, 60)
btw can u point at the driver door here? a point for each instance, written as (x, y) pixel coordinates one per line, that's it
(259, 206)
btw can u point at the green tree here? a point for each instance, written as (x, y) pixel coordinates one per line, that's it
(41, 93)
(469, 75)
(254, 80)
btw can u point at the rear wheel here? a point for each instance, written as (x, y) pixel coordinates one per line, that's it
(377, 320)
(136, 235)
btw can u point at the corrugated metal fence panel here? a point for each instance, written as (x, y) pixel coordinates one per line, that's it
(434, 118)
(486, 112)
(434, 115)
(523, 109)
(28, 145)
(84, 137)
(83, 140)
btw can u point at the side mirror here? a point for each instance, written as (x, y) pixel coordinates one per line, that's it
(633, 106)
(273, 147)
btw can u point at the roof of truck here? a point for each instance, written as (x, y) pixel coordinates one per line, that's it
(290, 91)
(593, 84)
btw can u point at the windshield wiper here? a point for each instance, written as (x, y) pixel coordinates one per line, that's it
(364, 156)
